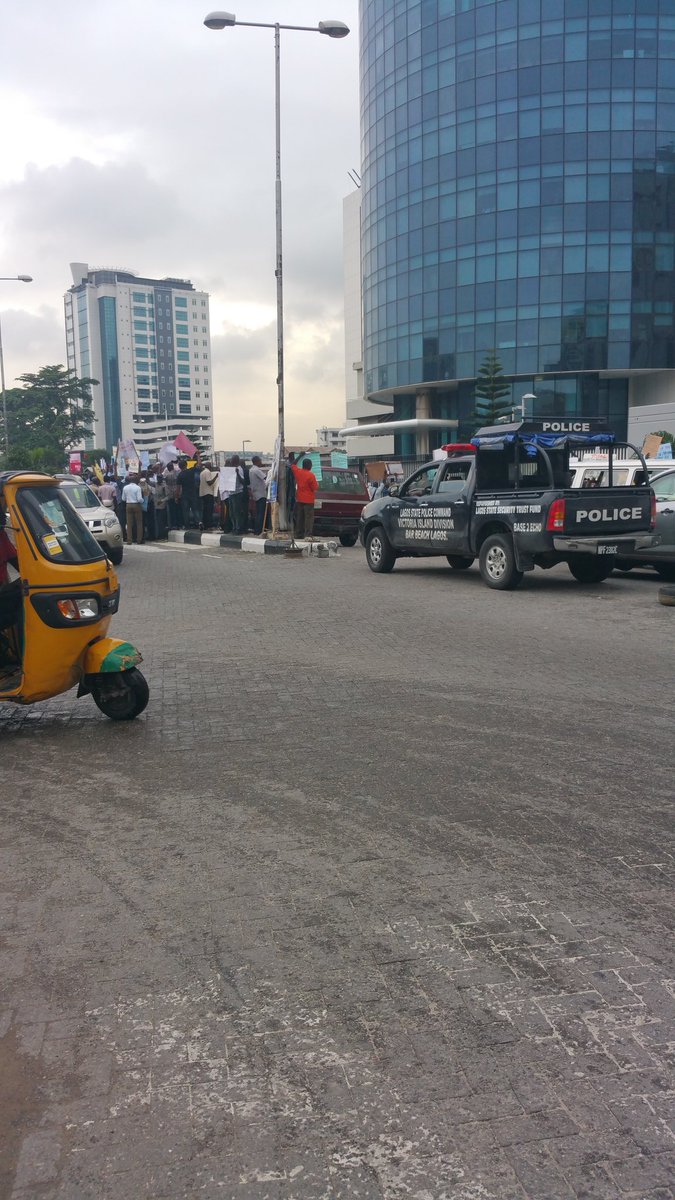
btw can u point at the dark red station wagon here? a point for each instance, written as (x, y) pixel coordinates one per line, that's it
(340, 497)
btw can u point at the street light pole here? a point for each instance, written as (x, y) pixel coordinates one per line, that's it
(20, 279)
(333, 29)
(279, 270)
(244, 444)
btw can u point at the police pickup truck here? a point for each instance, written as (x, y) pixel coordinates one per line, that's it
(506, 499)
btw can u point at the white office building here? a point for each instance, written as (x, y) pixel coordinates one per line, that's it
(330, 439)
(148, 343)
(359, 411)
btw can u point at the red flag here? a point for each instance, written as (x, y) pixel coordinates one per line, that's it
(182, 442)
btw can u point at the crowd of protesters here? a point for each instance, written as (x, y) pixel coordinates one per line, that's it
(189, 494)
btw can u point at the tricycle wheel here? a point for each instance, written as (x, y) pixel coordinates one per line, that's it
(121, 695)
(591, 570)
(116, 555)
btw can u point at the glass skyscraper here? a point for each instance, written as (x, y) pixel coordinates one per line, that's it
(518, 193)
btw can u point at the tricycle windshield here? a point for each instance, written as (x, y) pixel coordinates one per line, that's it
(60, 534)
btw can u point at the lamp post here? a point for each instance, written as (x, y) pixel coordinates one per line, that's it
(333, 29)
(20, 279)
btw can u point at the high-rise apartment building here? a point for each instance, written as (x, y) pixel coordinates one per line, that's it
(148, 343)
(518, 169)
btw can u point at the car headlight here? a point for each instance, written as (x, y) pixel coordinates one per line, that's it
(109, 522)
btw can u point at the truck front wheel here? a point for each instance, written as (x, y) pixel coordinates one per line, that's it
(379, 552)
(591, 570)
(498, 563)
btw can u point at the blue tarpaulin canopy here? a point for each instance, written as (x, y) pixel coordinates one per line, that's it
(550, 441)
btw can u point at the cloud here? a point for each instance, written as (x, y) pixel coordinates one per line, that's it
(90, 206)
(142, 140)
(31, 340)
(245, 369)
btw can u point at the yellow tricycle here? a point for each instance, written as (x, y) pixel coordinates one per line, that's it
(58, 592)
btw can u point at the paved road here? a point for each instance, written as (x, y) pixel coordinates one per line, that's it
(372, 903)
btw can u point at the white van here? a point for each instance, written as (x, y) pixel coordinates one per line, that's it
(593, 470)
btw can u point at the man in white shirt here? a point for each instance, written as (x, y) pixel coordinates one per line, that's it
(208, 488)
(133, 498)
(238, 499)
(257, 481)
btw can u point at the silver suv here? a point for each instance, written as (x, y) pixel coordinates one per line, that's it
(101, 521)
(662, 556)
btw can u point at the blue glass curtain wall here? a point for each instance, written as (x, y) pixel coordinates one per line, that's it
(111, 377)
(518, 187)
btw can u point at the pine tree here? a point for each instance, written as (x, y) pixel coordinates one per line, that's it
(492, 392)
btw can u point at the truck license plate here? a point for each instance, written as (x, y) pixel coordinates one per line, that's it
(608, 549)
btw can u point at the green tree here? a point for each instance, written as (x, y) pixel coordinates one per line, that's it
(492, 392)
(52, 412)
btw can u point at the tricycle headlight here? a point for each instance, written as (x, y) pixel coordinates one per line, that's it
(75, 609)
(87, 608)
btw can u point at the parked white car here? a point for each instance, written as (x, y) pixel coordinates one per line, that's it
(101, 521)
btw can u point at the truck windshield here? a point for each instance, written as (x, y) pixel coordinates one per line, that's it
(59, 533)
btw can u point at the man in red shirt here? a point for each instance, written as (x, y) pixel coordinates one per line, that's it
(305, 490)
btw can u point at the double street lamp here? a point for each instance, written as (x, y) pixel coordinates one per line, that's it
(6, 279)
(332, 29)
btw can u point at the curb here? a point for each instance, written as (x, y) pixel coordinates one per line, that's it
(253, 545)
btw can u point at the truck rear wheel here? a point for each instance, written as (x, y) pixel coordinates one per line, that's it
(498, 563)
(458, 563)
(379, 552)
(591, 570)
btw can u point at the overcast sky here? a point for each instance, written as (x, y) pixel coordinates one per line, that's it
(134, 137)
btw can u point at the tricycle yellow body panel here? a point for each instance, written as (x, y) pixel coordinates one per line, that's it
(55, 659)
